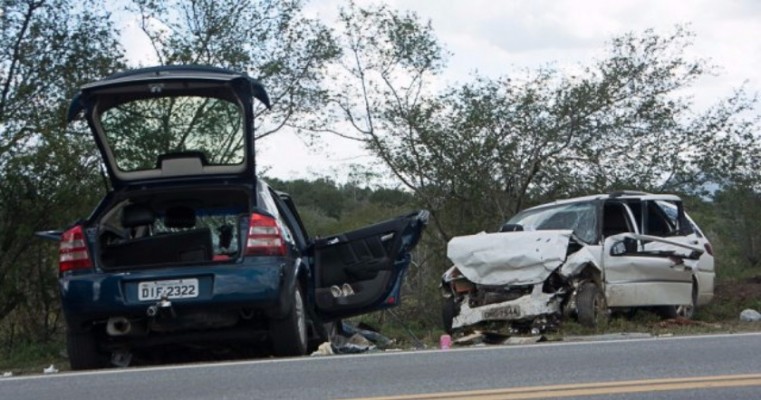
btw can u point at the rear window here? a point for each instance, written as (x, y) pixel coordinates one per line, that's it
(140, 131)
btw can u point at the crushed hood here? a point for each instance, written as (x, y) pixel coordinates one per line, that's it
(509, 258)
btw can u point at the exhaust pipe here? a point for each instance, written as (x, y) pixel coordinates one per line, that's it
(118, 326)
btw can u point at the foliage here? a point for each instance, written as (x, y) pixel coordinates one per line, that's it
(270, 39)
(478, 153)
(328, 208)
(49, 174)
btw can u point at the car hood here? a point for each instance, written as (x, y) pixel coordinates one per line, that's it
(509, 258)
(172, 123)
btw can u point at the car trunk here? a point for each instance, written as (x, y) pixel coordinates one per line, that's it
(168, 227)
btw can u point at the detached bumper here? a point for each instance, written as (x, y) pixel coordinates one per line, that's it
(523, 308)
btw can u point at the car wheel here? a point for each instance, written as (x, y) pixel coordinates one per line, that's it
(289, 334)
(591, 307)
(448, 312)
(686, 311)
(82, 349)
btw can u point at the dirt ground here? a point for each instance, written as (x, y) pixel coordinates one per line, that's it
(746, 291)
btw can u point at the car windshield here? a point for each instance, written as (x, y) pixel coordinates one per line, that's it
(581, 218)
(140, 131)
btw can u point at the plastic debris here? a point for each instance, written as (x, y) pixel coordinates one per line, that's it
(750, 315)
(50, 370)
(445, 342)
(325, 349)
(525, 339)
(368, 332)
(7, 374)
(474, 338)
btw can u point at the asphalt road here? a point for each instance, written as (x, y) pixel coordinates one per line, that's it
(697, 367)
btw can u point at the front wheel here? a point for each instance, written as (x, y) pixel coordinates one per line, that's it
(591, 307)
(448, 312)
(289, 334)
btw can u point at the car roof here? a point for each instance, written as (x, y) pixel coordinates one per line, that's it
(622, 195)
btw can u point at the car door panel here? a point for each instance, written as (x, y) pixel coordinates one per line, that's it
(647, 278)
(644, 270)
(369, 262)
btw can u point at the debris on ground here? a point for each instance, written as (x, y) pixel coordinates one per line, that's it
(750, 315)
(445, 342)
(50, 370)
(524, 340)
(367, 332)
(496, 338)
(350, 339)
(325, 349)
(476, 337)
(7, 374)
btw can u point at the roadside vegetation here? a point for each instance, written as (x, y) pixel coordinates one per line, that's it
(472, 153)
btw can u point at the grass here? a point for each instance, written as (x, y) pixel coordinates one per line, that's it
(32, 358)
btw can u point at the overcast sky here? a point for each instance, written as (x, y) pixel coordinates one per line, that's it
(497, 37)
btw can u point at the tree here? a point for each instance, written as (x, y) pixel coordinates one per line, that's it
(477, 153)
(269, 39)
(49, 174)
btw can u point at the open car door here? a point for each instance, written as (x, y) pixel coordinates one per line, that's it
(644, 269)
(361, 271)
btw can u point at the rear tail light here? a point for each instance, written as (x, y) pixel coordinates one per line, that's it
(709, 248)
(72, 251)
(264, 238)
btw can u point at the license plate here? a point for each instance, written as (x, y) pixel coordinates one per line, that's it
(171, 289)
(507, 313)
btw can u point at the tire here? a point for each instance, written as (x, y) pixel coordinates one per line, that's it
(289, 334)
(82, 349)
(686, 311)
(591, 307)
(448, 312)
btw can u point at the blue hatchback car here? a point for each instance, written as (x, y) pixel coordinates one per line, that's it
(190, 246)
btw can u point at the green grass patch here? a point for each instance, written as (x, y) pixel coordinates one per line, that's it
(26, 358)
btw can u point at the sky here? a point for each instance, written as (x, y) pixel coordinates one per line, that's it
(499, 37)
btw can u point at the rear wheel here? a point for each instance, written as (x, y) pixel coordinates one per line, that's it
(289, 334)
(591, 306)
(82, 349)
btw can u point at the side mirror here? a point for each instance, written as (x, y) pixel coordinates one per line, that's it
(622, 247)
(618, 248)
(511, 228)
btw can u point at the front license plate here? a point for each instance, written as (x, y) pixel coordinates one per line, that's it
(172, 289)
(507, 313)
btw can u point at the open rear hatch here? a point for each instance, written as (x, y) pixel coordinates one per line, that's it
(157, 228)
(172, 123)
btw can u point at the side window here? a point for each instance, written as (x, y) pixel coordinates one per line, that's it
(658, 222)
(663, 219)
(289, 219)
(615, 219)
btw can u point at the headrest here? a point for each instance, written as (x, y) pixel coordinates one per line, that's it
(180, 217)
(137, 215)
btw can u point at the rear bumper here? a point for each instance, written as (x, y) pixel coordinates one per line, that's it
(255, 285)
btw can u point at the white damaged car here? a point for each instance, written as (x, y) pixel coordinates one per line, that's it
(579, 258)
